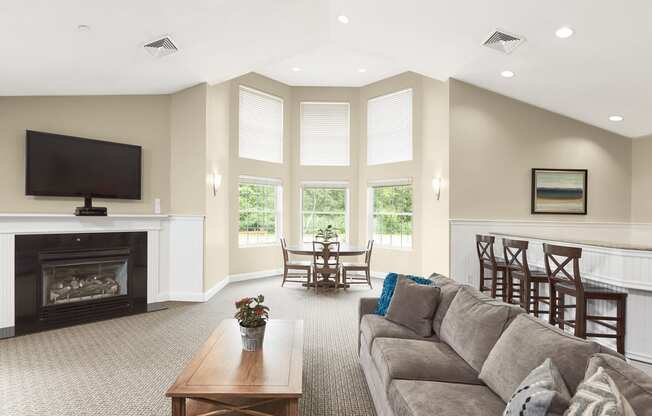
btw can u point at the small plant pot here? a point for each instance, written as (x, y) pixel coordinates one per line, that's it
(252, 338)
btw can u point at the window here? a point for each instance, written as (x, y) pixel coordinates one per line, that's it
(260, 126)
(389, 128)
(324, 134)
(322, 205)
(390, 219)
(260, 211)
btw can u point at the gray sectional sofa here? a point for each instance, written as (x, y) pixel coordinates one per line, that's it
(480, 352)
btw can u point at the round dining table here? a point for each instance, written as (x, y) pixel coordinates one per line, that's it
(306, 249)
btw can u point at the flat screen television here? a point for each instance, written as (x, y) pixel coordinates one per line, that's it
(59, 165)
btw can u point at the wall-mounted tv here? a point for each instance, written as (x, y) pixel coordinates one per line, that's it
(59, 165)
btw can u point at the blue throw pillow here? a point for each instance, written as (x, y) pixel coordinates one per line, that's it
(388, 290)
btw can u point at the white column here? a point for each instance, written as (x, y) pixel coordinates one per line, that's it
(7, 309)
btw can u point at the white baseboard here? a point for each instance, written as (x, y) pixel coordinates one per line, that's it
(378, 275)
(215, 289)
(181, 297)
(254, 275)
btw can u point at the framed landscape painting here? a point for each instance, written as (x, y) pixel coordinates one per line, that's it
(559, 191)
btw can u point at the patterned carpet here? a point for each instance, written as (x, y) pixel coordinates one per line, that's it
(123, 366)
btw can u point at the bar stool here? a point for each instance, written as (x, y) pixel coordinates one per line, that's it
(569, 283)
(529, 279)
(488, 261)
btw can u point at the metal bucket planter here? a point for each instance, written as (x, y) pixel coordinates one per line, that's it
(252, 338)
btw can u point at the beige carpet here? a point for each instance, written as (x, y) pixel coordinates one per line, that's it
(123, 366)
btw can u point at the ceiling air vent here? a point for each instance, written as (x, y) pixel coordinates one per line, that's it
(503, 41)
(161, 47)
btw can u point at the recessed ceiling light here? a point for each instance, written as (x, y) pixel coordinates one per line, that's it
(507, 74)
(616, 118)
(361, 70)
(296, 69)
(564, 32)
(343, 19)
(83, 28)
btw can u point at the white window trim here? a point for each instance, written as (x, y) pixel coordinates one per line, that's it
(278, 183)
(348, 126)
(327, 185)
(274, 97)
(370, 210)
(411, 126)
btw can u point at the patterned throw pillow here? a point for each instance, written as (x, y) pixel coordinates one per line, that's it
(599, 396)
(543, 392)
(388, 290)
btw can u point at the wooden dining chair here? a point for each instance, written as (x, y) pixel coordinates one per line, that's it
(302, 266)
(524, 282)
(563, 269)
(365, 267)
(496, 266)
(325, 261)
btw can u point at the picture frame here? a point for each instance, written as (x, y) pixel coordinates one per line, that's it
(559, 191)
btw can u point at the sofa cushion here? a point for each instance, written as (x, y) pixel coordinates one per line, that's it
(473, 324)
(633, 383)
(388, 290)
(448, 289)
(525, 345)
(375, 326)
(420, 360)
(428, 398)
(413, 305)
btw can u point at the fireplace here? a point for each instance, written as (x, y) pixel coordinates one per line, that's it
(65, 279)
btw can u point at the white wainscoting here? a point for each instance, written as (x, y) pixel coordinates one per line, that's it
(175, 251)
(626, 270)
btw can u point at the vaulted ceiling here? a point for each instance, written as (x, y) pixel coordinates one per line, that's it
(604, 69)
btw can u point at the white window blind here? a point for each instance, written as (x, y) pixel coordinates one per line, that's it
(260, 126)
(389, 128)
(324, 134)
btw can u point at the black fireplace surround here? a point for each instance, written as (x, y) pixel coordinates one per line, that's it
(67, 279)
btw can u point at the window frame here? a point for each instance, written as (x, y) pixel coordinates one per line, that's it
(370, 211)
(251, 90)
(278, 186)
(411, 127)
(348, 135)
(327, 185)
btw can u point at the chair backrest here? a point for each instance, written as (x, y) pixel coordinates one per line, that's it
(367, 255)
(325, 251)
(484, 245)
(284, 248)
(515, 252)
(563, 265)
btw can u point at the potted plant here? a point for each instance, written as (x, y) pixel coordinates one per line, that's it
(252, 316)
(326, 234)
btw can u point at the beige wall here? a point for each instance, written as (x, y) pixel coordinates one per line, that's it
(254, 259)
(140, 120)
(642, 180)
(496, 140)
(188, 150)
(217, 247)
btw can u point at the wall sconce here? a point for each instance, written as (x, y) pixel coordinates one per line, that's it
(436, 187)
(214, 180)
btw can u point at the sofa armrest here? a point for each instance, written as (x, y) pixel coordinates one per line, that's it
(366, 306)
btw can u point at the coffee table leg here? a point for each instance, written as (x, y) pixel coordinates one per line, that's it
(292, 407)
(179, 406)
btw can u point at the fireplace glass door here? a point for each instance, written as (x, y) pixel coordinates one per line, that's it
(76, 280)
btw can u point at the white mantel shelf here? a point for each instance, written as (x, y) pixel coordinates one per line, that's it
(175, 250)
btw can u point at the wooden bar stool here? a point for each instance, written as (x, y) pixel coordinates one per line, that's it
(488, 261)
(564, 282)
(302, 266)
(529, 280)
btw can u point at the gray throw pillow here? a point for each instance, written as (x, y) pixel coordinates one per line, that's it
(599, 396)
(413, 305)
(632, 383)
(543, 392)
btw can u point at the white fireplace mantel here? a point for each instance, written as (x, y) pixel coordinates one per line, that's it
(175, 251)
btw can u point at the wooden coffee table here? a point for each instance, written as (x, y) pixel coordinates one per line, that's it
(222, 379)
